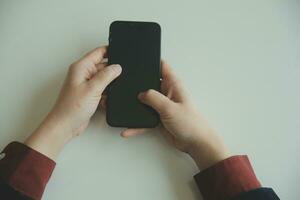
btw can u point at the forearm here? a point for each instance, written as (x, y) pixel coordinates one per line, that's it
(50, 137)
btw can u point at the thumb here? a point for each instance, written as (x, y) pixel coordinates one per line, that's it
(103, 77)
(156, 100)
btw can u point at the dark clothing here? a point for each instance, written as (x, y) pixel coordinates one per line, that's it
(257, 194)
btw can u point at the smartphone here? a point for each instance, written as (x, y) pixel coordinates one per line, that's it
(136, 47)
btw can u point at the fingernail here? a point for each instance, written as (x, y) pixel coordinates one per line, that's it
(140, 95)
(116, 67)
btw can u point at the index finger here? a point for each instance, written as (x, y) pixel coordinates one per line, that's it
(174, 83)
(166, 71)
(95, 56)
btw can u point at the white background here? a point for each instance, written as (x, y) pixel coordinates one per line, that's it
(240, 60)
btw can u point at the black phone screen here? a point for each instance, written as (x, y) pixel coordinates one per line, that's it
(136, 47)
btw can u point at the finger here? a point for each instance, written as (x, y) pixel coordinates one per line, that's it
(175, 87)
(156, 100)
(133, 132)
(166, 71)
(103, 102)
(104, 60)
(101, 65)
(95, 56)
(103, 77)
(85, 68)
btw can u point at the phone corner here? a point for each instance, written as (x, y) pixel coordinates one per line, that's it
(108, 120)
(113, 23)
(157, 26)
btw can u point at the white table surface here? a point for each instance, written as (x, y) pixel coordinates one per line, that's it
(240, 60)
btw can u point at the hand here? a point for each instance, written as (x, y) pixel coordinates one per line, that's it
(182, 124)
(78, 100)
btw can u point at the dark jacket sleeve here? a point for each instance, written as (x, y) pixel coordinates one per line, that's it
(24, 172)
(7, 192)
(232, 178)
(258, 194)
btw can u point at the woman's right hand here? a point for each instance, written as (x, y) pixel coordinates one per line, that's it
(182, 124)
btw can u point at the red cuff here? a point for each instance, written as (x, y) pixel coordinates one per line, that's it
(227, 179)
(25, 169)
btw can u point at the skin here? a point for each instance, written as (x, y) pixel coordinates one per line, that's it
(181, 124)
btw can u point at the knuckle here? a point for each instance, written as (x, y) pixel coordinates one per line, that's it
(100, 51)
(103, 73)
(168, 109)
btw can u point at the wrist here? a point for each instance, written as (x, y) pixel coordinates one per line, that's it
(50, 137)
(208, 150)
(57, 127)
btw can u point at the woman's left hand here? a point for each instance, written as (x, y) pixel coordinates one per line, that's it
(78, 100)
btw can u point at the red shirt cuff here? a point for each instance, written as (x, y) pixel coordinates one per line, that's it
(25, 169)
(227, 179)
